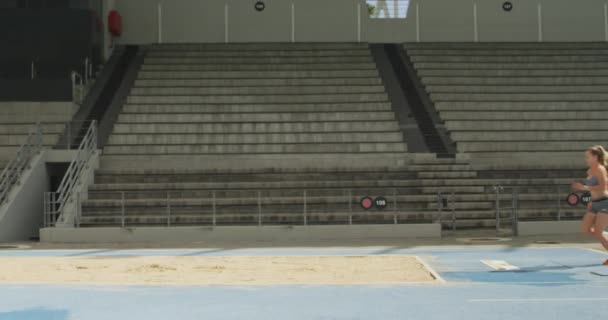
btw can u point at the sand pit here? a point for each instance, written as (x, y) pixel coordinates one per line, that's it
(258, 270)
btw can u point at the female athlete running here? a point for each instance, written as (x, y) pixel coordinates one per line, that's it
(595, 220)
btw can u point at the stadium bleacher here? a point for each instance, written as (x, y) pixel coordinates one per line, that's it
(517, 101)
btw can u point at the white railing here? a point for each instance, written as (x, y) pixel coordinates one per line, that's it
(55, 202)
(13, 170)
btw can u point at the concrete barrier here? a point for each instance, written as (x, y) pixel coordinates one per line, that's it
(240, 233)
(535, 228)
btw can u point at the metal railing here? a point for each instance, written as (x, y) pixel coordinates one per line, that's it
(78, 87)
(512, 208)
(74, 132)
(258, 207)
(55, 202)
(446, 202)
(13, 170)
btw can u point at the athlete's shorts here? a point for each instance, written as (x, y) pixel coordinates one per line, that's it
(599, 206)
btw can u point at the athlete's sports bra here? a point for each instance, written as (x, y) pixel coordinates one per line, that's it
(591, 182)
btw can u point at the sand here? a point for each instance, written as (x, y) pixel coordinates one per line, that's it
(241, 270)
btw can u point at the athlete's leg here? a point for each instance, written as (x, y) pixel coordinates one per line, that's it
(601, 222)
(588, 223)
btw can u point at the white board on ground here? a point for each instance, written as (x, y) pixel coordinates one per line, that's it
(499, 265)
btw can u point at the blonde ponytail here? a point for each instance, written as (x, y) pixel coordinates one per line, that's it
(600, 153)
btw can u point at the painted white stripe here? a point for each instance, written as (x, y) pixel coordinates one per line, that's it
(293, 22)
(540, 23)
(475, 28)
(358, 22)
(606, 21)
(160, 22)
(226, 23)
(538, 300)
(417, 23)
(499, 265)
(428, 267)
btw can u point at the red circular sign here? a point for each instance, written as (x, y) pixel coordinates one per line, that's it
(366, 203)
(573, 199)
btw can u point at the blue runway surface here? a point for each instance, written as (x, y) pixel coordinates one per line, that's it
(552, 283)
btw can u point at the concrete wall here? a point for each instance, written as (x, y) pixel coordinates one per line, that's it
(347, 21)
(21, 217)
(243, 233)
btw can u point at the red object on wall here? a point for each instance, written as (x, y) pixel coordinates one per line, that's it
(115, 23)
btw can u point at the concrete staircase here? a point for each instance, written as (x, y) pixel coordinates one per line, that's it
(520, 100)
(183, 197)
(288, 134)
(256, 105)
(18, 118)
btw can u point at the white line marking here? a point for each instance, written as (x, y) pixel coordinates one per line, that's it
(428, 267)
(597, 251)
(538, 300)
(499, 265)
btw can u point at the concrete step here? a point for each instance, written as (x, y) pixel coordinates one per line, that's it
(236, 99)
(525, 116)
(260, 176)
(527, 146)
(40, 108)
(514, 125)
(296, 90)
(32, 118)
(25, 128)
(550, 72)
(198, 218)
(257, 148)
(258, 67)
(558, 97)
(266, 82)
(516, 89)
(254, 60)
(259, 46)
(506, 59)
(279, 127)
(531, 66)
(254, 138)
(447, 175)
(506, 52)
(256, 117)
(378, 187)
(521, 105)
(563, 136)
(515, 81)
(353, 160)
(496, 46)
(256, 108)
(205, 198)
(340, 195)
(258, 74)
(256, 53)
(18, 140)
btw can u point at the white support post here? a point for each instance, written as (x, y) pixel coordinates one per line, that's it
(293, 22)
(540, 22)
(606, 21)
(358, 22)
(417, 22)
(160, 22)
(226, 23)
(475, 30)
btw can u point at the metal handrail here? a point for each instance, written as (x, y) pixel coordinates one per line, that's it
(168, 206)
(514, 217)
(56, 201)
(13, 170)
(78, 84)
(446, 202)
